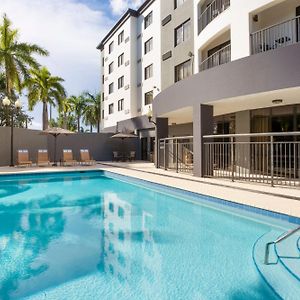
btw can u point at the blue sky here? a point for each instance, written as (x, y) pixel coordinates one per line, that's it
(70, 30)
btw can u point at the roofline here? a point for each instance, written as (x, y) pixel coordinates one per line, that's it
(130, 12)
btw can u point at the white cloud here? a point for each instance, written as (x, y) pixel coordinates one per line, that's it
(69, 30)
(120, 6)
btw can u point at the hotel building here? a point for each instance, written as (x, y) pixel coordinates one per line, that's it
(225, 67)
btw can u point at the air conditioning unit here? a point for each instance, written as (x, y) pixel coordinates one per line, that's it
(127, 111)
(127, 63)
(127, 40)
(126, 87)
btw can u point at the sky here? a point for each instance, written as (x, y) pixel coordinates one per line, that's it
(70, 30)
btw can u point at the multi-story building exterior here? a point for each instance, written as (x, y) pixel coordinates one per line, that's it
(246, 80)
(225, 67)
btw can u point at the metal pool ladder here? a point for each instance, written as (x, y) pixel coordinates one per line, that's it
(280, 239)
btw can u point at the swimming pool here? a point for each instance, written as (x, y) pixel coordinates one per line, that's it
(95, 235)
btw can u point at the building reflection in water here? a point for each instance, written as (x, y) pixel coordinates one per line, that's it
(129, 244)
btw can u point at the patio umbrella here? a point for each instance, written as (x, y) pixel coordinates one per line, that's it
(123, 136)
(56, 131)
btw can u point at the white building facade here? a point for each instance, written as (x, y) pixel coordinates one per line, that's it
(130, 56)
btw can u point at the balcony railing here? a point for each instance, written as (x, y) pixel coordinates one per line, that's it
(276, 36)
(211, 12)
(272, 158)
(176, 154)
(220, 57)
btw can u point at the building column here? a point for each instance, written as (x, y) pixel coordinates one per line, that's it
(202, 125)
(161, 131)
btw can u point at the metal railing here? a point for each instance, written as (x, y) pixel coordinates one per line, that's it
(220, 57)
(272, 158)
(279, 240)
(176, 154)
(276, 36)
(211, 12)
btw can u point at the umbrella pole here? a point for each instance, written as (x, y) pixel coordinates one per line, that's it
(55, 163)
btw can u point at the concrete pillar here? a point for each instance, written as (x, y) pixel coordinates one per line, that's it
(242, 151)
(202, 125)
(161, 131)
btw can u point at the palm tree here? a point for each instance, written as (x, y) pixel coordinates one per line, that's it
(65, 108)
(16, 58)
(92, 114)
(45, 88)
(79, 106)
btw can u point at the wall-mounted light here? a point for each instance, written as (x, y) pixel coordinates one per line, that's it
(255, 18)
(156, 88)
(277, 101)
(150, 116)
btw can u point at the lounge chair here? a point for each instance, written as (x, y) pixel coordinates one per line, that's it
(23, 158)
(132, 155)
(68, 158)
(85, 157)
(43, 158)
(117, 156)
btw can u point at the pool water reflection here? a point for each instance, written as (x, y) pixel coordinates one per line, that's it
(88, 236)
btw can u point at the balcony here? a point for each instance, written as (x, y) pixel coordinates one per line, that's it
(214, 9)
(220, 57)
(276, 36)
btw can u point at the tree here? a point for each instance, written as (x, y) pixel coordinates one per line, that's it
(65, 108)
(79, 106)
(92, 113)
(16, 58)
(45, 88)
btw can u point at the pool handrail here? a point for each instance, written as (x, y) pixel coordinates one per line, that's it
(278, 240)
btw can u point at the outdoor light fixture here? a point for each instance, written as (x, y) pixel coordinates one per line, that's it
(150, 116)
(277, 101)
(12, 108)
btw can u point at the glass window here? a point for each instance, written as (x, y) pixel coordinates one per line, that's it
(111, 108)
(149, 98)
(121, 105)
(111, 88)
(148, 45)
(148, 72)
(183, 70)
(111, 47)
(103, 114)
(183, 32)
(121, 60)
(178, 3)
(121, 37)
(148, 20)
(120, 82)
(110, 68)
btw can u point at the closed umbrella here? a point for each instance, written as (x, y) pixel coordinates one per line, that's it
(56, 131)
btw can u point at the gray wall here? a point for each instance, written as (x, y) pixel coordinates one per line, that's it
(269, 71)
(180, 52)
(100, 145)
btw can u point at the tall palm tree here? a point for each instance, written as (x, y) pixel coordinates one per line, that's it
(92, 114)
(65, 108)
(79, 106)
(16, 58)
(45, 88)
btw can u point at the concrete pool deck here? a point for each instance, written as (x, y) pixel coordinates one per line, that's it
(285, 200)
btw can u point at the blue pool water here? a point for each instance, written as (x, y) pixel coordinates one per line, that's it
(93, 236)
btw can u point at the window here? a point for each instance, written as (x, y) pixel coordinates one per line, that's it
(120, 82)
(148, 45)
(148, 72)
(183, 70)
(103, 62)
(183, 32)
(111, 47)
(111, 88)
(121, 37)
(102, 79)
(178, 3)
(111, 108)
(148, 98)
(110, 68)
(148, 20)
(103, 114)
(121, 60)
(121, 105)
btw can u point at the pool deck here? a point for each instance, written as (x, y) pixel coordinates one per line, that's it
(284, 200)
